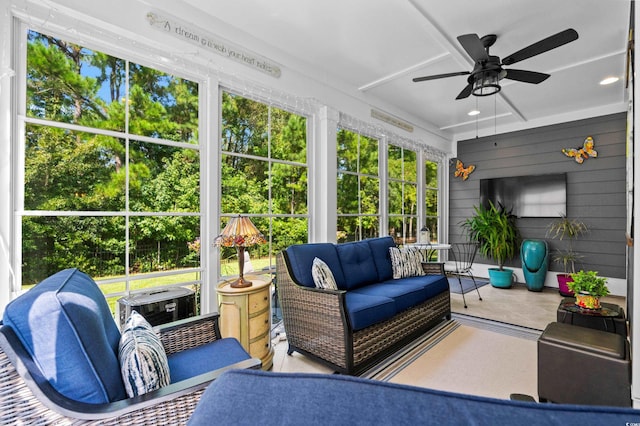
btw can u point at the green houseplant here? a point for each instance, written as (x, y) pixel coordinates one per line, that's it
(495, 231)
(566, 229)
(588, 288)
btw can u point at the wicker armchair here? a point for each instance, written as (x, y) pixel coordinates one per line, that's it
(59, 360)
(317, 323)
(26, 397)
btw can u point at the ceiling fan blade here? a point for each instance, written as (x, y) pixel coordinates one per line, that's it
(433, 77)
(465, 92)
(474, 47)
(526, 76)
(556, 40)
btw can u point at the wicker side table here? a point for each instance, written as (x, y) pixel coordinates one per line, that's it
(245, 313)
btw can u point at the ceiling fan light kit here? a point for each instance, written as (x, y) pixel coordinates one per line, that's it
(488, 70)
(486, 83)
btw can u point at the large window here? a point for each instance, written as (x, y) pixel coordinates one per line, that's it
(403, 194)
(111, 170)
(431, 197)
(358, 187)
(263, 176)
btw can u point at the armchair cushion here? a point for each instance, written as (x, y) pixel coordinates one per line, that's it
(69, 307)
(143, 361)
(203, 359)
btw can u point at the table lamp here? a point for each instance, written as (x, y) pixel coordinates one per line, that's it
(240, 232)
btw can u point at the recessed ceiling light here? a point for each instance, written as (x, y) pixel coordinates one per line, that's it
(473, 112)
(609, 80)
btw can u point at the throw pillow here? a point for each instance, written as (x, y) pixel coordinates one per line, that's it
(322, 275)
(143, 361)
(406, 262)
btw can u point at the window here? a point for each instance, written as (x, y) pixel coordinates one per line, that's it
(111, 177)
(431, 197)
(403, 194)
(263, 176)
(358, 186)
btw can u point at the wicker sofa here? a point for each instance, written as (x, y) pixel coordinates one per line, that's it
(369, 316)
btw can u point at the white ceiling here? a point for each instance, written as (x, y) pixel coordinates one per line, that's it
(373, 48)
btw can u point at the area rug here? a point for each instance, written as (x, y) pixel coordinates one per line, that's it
(467, 284)
(472, 357)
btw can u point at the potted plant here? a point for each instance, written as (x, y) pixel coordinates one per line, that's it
(588, 288)
(495, 231)
(569, 229)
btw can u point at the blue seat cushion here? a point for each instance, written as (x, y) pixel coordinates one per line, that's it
(358, 265)
(301, 257)
(380, 251)
(405, 295)
(66, 326)
(365, 310)
(433, 284)
(203, 359)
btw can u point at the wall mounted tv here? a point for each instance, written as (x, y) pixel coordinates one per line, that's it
(527, 196)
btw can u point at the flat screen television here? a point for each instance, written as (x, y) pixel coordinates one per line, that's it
(527, 196)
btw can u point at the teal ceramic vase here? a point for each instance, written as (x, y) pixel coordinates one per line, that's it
(535, 262)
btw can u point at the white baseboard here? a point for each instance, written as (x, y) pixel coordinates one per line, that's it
(617, 286)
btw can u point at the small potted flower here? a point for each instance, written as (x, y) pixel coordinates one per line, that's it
(588, 288)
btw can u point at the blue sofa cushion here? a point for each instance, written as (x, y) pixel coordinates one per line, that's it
(365, 310)
(380, 251)
(433, 284)
(358, 265)
(65, 324)
(373, 402)
(405, 295)
(301, 260)
(203, 359)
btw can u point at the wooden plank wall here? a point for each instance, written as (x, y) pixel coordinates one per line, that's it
(595, 188)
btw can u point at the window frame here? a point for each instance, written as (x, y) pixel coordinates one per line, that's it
(22, 120)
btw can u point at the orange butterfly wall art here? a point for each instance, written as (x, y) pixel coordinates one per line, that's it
(462, 171)
(581, 153)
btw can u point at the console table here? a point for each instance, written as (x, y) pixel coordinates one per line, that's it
(245, 313)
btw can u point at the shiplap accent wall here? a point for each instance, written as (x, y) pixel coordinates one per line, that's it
(595, 188)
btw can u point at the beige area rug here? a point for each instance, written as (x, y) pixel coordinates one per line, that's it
(468, 356)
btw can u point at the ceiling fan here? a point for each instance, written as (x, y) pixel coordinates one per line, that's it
(484, 79)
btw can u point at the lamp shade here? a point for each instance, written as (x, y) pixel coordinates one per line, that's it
(239, 232)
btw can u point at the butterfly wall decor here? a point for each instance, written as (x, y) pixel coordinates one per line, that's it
(462, 171)
(581, 153)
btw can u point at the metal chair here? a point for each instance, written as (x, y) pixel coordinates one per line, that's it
(463, 255)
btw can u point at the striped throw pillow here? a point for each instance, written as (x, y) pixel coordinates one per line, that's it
(143, 361)
(406, 262)
(322, 275)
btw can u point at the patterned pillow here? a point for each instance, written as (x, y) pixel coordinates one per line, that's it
(406, 262)
(143, 361)
(322, 275)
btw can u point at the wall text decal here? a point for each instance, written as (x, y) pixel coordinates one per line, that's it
(379, 115)
(212, 43)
